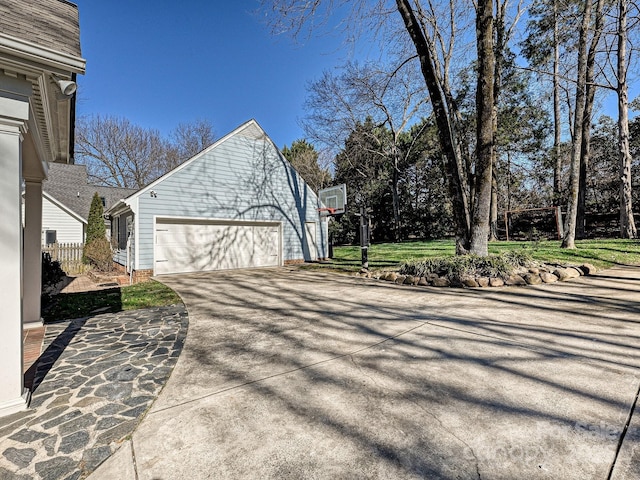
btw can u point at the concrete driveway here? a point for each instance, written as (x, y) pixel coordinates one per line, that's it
(290, 374)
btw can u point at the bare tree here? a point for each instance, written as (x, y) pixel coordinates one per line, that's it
(485, 127)
(187, 139)
(590, 87)
(581, 79)
(391, 97)
(118, 153)
(305, 159)
(445, 122)
(503, 33)
(627, 223)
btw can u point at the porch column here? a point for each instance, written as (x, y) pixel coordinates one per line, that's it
(14, 112)
(12, 395)
(32, 254)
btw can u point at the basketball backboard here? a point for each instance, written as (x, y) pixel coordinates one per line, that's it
(333, 199)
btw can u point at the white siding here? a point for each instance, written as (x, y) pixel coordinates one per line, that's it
(68, 228)
(242, 178)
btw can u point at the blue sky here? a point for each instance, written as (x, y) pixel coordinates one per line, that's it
(160, 63)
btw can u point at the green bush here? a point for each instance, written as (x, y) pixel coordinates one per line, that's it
(98, 253)
(501, 265)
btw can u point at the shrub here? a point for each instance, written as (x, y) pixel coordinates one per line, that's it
(469, 265)
(52, 272)
(98, 253)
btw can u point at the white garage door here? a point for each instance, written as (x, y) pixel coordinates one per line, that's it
(187, 246)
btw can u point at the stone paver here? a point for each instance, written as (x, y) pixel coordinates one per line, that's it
(93, 382)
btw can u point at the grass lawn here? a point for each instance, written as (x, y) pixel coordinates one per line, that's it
(142, 295)
(601, 253)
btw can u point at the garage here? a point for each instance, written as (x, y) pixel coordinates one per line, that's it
(188, 245)
(237, 204)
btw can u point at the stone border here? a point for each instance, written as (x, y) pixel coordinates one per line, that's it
(531, 276)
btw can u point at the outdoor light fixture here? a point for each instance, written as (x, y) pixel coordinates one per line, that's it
(153, 194)
(67, 87)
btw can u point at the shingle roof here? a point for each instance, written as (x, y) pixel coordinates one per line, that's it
(69, 185)
(49, 23)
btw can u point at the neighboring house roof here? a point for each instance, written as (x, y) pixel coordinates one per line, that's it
(69, 185)
(63, 207)
(52, 24)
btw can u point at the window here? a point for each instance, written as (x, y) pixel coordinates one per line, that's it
(50, 237)
(104, 201)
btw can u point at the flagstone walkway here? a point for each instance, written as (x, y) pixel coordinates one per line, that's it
(92, 384)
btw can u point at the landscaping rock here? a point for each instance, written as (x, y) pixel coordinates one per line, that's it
(561, 273)
(573, 272)
(400, 279)
(431, 277)
(588, 269)
(496, 282)
(469, 282)
(391, 277)
(441, 282)
(532, 279)
(547, 277)
(423, 282)
(483, 281)
(534, 270)
(409, 280)
(515, 280)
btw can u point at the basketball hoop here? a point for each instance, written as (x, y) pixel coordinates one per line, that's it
(333, 200)
(330, 211)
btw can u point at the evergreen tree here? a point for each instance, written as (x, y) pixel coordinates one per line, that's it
(97, 249)
(95, 225)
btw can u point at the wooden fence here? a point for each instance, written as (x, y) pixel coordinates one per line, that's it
(69, 255)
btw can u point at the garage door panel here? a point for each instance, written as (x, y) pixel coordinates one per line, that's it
(185, 247)
(197, 235)
(267, 246)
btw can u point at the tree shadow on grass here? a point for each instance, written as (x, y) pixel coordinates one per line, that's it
(75, 305)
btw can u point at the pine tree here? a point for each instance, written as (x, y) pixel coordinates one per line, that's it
(95, 225)
(97, 249)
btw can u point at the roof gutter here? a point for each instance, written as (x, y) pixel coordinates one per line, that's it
(41, 55)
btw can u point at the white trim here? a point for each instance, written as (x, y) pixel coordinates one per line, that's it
(214, 145)
(48, 56)
(17, 405)
(221, 221)
(136, 236)
(122, 206)
(63, 207)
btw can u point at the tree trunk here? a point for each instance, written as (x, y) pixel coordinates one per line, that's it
(497, 85)
(627, 223)
(572, 209)
(557, 120)
(585, 149)
(395, 196)
(493, 226)
(446, 133)
(484, 131)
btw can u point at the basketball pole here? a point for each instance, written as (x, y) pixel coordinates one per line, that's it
(364, 238)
